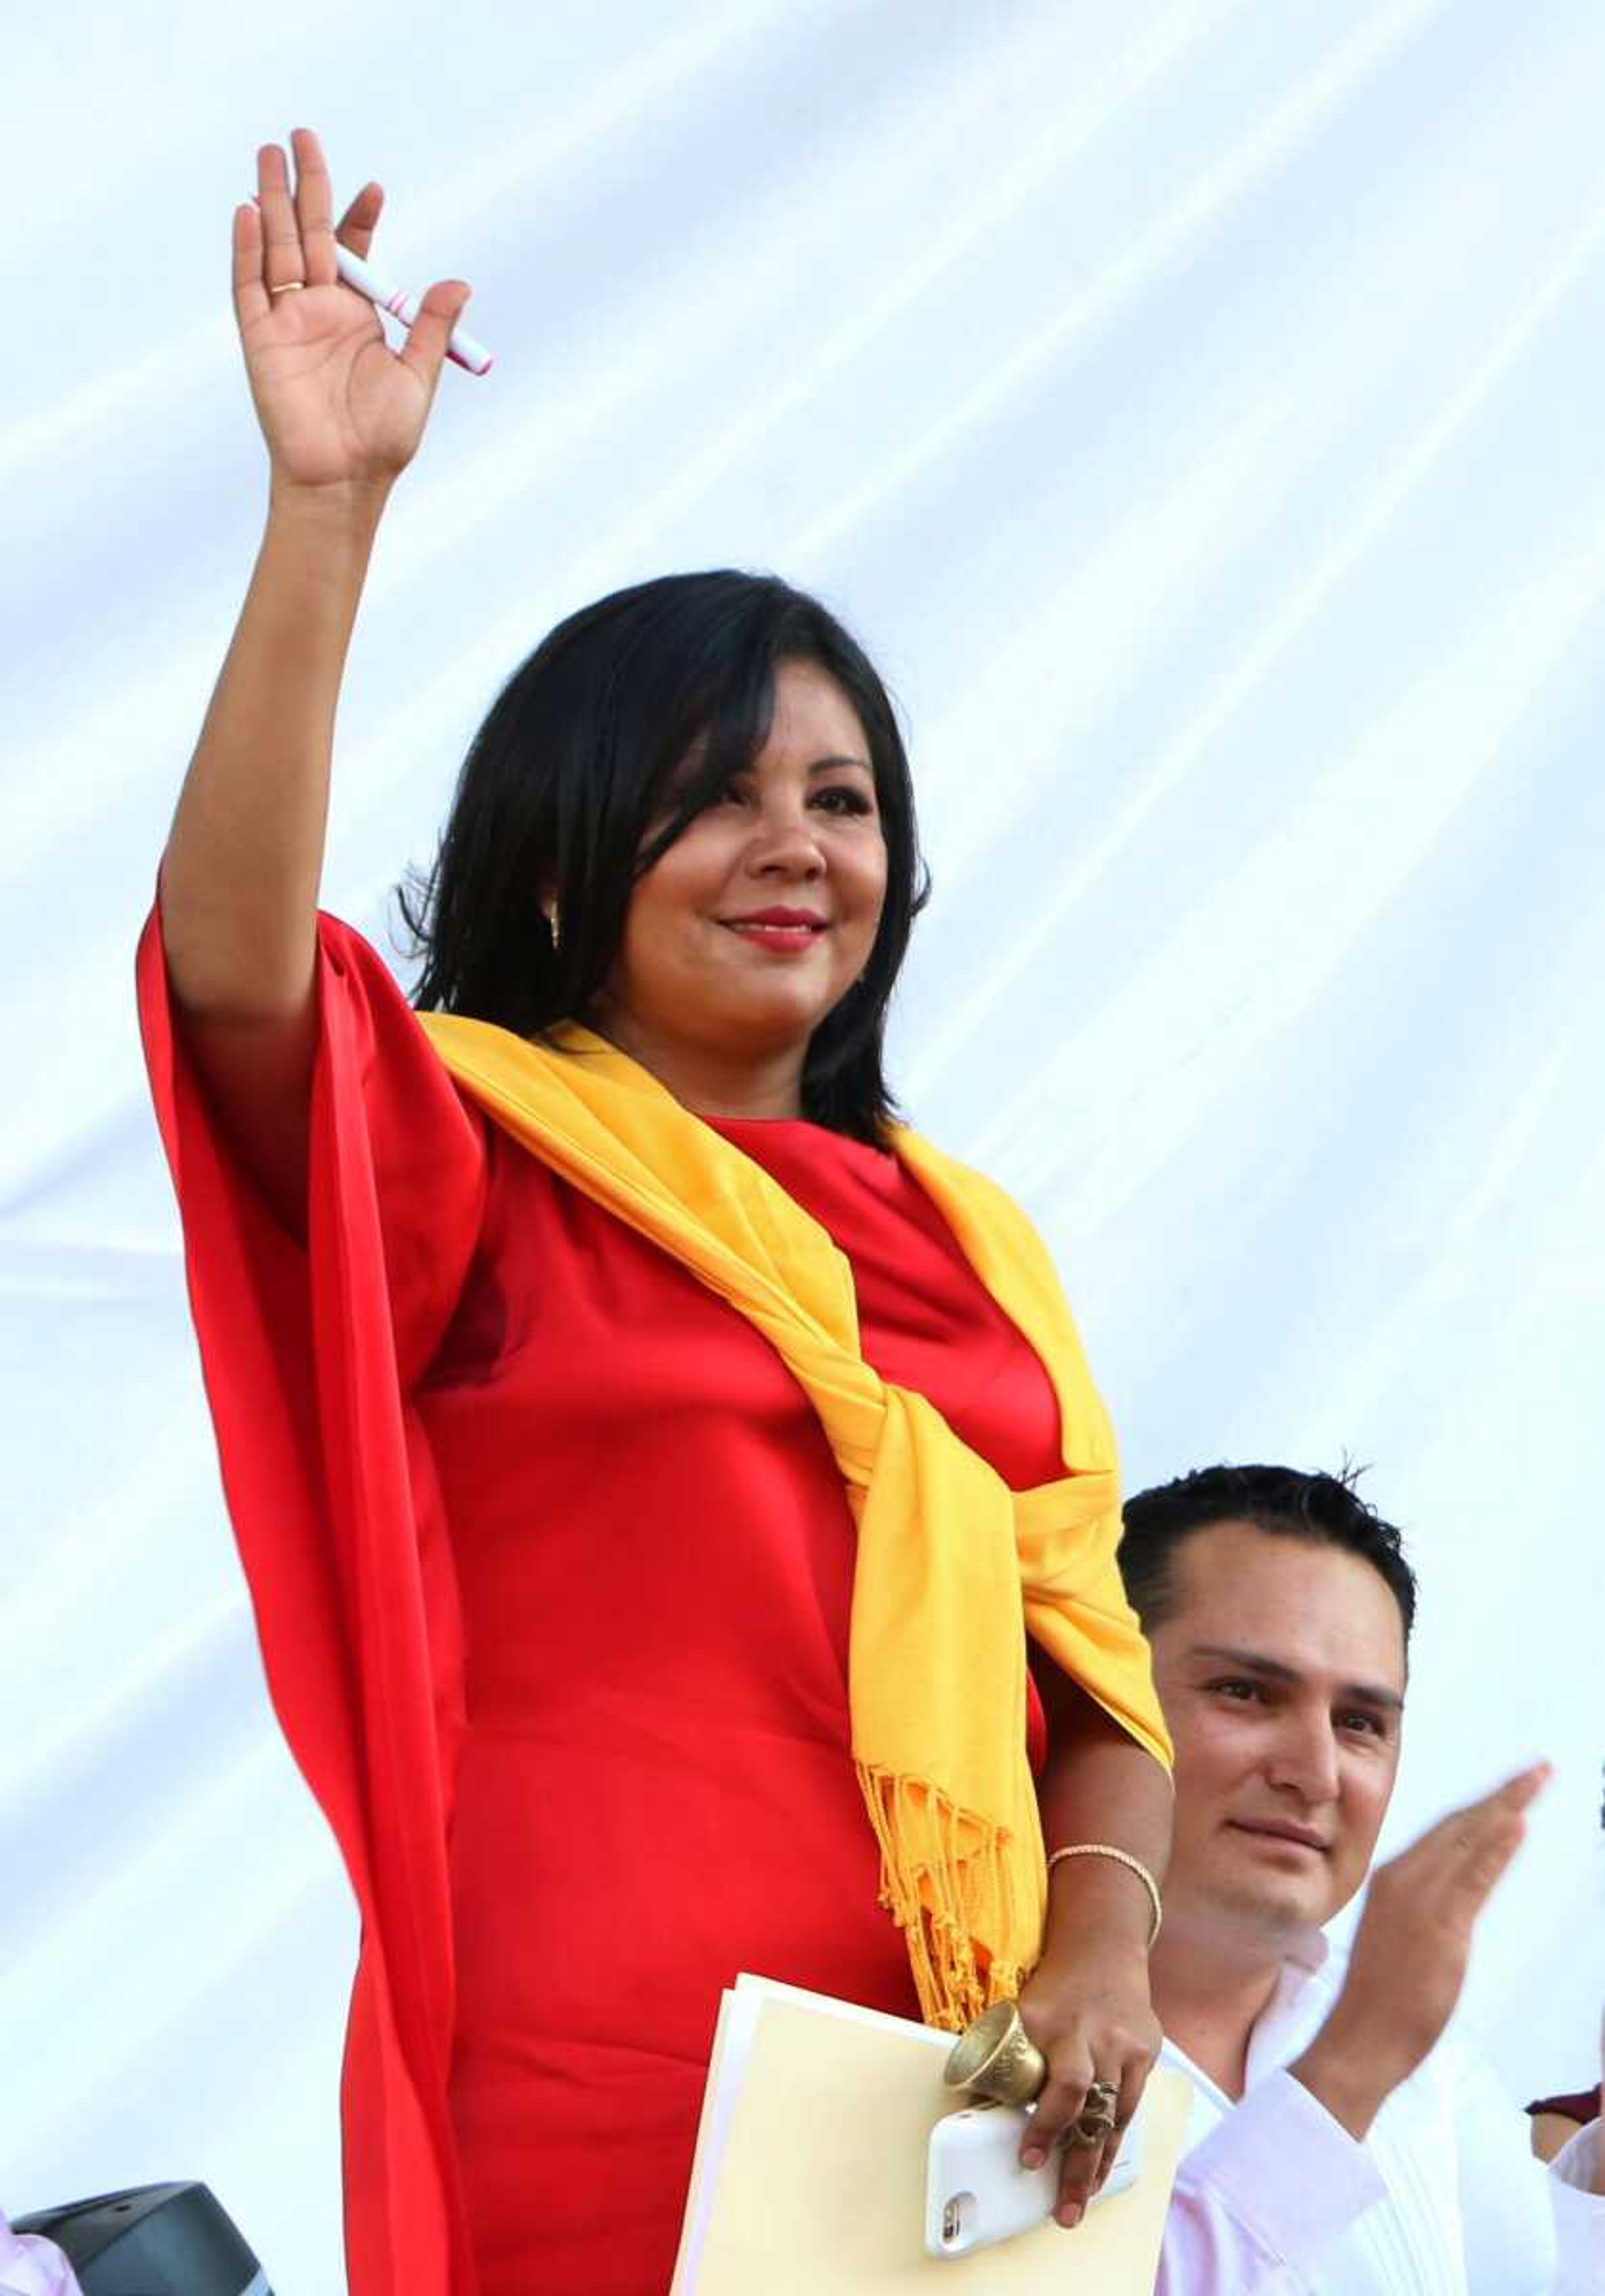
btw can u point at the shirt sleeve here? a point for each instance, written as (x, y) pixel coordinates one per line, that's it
(1529, 2230)
(311, 1354)
(1259, 2201)
(422, 1146)
(32, 2266)
(380, 1092)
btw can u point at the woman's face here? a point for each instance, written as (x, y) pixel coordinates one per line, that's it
(762, 914)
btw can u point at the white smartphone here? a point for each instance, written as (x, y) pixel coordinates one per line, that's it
(976, 2191)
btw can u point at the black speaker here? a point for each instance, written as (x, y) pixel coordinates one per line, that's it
(157, 2240)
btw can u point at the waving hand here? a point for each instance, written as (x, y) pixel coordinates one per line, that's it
(338, 406)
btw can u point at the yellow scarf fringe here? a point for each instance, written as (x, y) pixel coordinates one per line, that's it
(953, 1569)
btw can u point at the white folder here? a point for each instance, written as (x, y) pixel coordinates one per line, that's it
(811, 2163)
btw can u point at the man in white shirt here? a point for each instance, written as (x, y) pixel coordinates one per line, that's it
(1341, 2143)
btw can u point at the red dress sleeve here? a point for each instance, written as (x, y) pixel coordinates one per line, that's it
(309, 1356)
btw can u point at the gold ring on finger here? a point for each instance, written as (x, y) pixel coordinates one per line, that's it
(290, 287)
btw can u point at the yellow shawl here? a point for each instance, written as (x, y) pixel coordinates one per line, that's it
(950, 1563)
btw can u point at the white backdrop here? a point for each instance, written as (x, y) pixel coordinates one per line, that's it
(1194, 407)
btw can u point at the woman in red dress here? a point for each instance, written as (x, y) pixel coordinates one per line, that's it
(647, 1456)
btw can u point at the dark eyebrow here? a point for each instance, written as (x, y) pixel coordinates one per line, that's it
(1271, 1669)
(820, 766)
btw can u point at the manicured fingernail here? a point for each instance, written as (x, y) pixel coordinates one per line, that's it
(1069, 2216)
(1032, 2159)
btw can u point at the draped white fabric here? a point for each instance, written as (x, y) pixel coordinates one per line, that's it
(1194, 408)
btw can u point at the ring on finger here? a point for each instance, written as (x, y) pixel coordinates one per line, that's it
(1096, 2118)
(290, 287)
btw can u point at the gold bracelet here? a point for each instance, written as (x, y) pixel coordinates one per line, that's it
(1121, 1857)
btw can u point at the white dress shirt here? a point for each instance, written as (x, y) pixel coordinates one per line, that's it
(1445, 2197)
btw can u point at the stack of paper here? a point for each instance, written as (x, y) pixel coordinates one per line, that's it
(811, 2162)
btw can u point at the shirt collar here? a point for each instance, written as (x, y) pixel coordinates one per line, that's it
(1290, 2020)
(1295, 2010)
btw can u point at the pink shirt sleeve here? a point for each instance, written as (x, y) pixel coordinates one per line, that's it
(32, 2266)
(1257, 2202)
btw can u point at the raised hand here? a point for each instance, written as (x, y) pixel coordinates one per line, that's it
(338, 406)
(1411, 1953)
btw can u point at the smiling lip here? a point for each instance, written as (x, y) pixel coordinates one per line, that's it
(778, 929)
(809, 917)
(1300, 1836)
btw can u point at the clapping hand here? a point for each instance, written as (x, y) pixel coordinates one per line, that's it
(1411, 1953)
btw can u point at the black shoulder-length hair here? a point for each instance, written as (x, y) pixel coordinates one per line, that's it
(566, 794)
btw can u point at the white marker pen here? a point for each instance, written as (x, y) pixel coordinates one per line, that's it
(400, 305)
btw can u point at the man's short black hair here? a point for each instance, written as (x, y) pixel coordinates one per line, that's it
(1325, 1510)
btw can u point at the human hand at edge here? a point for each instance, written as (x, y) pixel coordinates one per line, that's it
(1411, 1953)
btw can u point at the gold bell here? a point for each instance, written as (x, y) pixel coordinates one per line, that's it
(996, 2057)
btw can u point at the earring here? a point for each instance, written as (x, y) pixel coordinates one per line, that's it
(549, 910)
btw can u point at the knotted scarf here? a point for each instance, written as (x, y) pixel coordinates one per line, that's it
(953, 1567)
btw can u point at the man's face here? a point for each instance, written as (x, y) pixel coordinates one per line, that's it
(1282, 1674)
